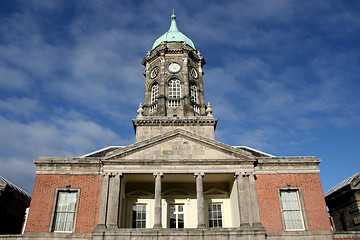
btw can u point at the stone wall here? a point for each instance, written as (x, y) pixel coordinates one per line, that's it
(145, 132)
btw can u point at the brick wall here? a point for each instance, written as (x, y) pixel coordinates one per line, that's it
(314, 201)
(43, 198)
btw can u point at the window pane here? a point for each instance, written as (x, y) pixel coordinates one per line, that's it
(65, 211)
(193, 93)
(139, 216)
(180, 208)
(174, 88)
(176, 216)
(215, 215)
(172, 223)
(291, 208)
(154, 93)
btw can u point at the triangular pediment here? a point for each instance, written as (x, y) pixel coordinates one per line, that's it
(214, 192)
(175, 192)
(139, 193)
(179, 144)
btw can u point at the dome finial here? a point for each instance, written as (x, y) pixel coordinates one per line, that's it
(173, 35)
(173, 16)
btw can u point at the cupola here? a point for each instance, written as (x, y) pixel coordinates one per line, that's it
(173, 35)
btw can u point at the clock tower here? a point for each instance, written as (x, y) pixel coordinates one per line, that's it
(174, 90)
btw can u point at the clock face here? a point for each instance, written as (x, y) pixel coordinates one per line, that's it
(193, 73)
(174, 67)
(154, 72)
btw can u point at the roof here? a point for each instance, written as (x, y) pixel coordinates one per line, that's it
(173, 35)
(13, 186)
(254, 152)
(352, 181)
(101, 152)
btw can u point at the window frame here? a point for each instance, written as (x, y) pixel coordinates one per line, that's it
(132, 215)
(301, 204)
(153, 98)
(54, 206)
(176, 213)
(222, 214)
(193, 93)
(171, 88)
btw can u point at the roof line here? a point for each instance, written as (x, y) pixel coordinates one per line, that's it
(100, 150)
(13, 186)
(341, 185)
(253, 149)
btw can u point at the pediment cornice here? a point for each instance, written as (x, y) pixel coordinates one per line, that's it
(235, 152)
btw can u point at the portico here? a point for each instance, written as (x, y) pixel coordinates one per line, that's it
(195, 192)
(178, 192)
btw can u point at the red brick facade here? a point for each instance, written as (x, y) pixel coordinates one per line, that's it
(267, 190)
(43, 198)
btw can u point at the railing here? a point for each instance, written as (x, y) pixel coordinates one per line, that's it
(174, 103)
(196, 109)
(153, 108)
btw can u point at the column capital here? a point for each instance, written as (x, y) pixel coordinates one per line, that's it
(114, 174)
(158, 174)
(197, 174)
(243, 174)
(253, 175)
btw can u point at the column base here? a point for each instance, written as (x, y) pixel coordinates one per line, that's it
(258, 226)
(202, 226)
(245, 225)
(158, 226)
(100, 226)
(112, 226)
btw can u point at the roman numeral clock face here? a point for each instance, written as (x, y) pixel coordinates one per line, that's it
(174, 67)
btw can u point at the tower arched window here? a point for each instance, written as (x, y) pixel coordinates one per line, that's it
(174, 88)
(154, 93)
(193, 93)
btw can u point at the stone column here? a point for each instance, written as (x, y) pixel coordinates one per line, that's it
(114, 201)
(157, 218)
(254, 202)
(200, 199)
(242, 199)
(103, 201)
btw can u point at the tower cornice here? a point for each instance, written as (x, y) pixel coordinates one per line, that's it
(175, 121)
(173, 48)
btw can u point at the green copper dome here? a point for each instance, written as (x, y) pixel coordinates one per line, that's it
(173, 35)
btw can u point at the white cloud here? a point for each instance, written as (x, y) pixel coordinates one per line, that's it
(20, 107)
(66, 137)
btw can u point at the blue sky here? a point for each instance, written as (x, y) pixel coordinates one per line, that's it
(282, 76)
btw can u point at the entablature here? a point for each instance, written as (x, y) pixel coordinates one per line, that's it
(270, 165)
